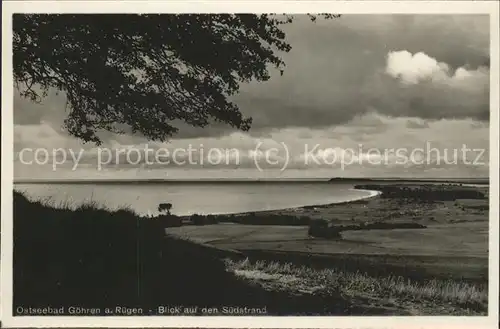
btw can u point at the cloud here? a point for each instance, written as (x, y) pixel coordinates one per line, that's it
(416, 68)
(329, 151)
(412, 69)
(336, 84)
(337, 71)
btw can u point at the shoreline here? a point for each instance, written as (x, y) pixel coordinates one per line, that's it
(373, 194)
(298, 208)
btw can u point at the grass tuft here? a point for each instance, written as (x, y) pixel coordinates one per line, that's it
(439, 292)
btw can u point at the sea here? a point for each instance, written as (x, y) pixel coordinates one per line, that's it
(194, 197)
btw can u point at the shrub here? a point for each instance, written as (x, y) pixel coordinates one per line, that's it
(323, 229)
(170, 220)
(197, 219)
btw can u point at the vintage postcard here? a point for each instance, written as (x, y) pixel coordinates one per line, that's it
(278, 164)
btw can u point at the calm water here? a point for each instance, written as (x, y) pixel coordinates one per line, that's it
(200, 198)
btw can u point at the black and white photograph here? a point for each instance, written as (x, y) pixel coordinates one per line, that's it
(236, 165)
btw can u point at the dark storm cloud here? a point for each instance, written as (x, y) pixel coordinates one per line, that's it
(337, 71)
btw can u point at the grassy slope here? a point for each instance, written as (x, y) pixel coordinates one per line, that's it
(96, 258)
(368, 294)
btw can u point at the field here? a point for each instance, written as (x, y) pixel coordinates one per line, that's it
(449, 254)
(468, 239)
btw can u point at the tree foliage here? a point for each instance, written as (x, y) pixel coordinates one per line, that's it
(145, 71)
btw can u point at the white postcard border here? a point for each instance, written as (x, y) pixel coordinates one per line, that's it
(341, 7)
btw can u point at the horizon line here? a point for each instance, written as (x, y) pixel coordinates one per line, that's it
(248, 180)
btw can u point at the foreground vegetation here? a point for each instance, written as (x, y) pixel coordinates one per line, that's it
(429, 297)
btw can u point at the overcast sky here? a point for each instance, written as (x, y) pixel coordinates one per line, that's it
(359, 82)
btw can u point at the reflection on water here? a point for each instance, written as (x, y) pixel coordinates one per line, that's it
(192, 198)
